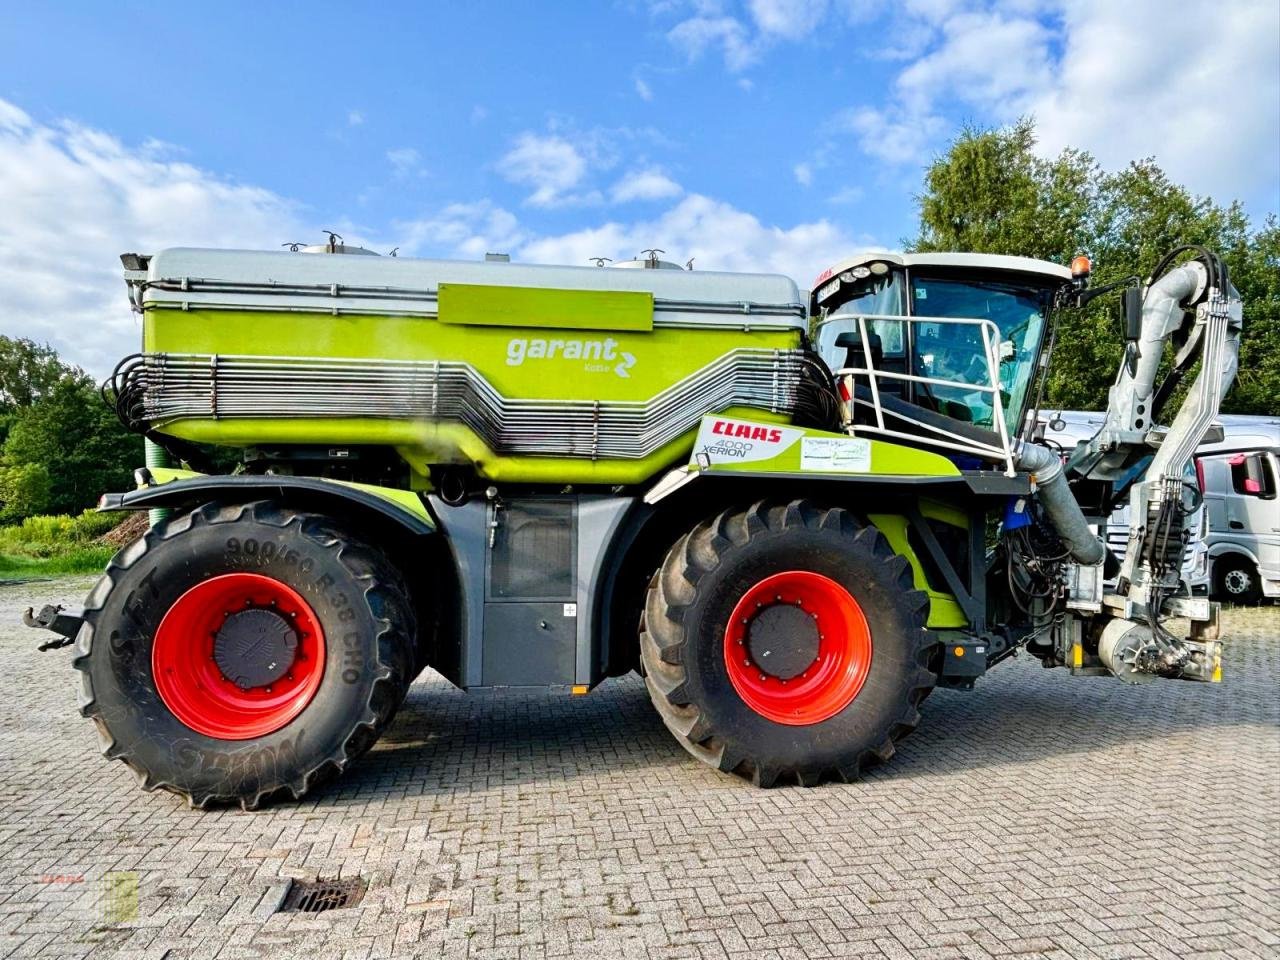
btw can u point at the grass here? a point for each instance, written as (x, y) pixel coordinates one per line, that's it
(55, 545)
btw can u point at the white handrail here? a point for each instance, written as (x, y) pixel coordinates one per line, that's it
(990, 334)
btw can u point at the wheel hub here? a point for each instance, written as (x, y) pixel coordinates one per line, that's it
(797, 647)
(1237, 581)
(238, 656)
(254, 648)
(782, 641)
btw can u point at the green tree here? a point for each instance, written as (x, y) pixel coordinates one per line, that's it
(28, 371)
(24, 491)
(992, 193)
(77, 442)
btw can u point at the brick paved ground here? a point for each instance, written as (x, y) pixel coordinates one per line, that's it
(1037, 816)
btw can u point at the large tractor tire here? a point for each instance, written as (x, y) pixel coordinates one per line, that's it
(786, 643)
(241, 652)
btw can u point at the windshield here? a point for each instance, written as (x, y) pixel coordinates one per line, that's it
(955, 352)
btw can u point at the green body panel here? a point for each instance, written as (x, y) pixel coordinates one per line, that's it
(405, 500)
(542, 307)
(876, 461)
(791, 450)
(524, 363)
(944, 612)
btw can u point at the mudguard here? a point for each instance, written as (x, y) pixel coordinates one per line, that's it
(165, 487)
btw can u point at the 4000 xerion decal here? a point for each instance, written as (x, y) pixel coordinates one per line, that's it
(721, 440)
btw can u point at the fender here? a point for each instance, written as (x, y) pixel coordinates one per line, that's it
(403, 510)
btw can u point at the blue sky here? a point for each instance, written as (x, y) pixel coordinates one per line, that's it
(766, 135)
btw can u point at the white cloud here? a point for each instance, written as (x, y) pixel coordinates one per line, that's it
(846, 195)
(1197, 87)
(468, 230)
(405, 162)
(550, 164)
(717, 235)
(698, 34)
(479, 113)
(1122, 80)
(74, 198)
(985, 59)
(647, 184)
(895, 135)
(643, 90)
(790, 19)
(803, 173)
(354, 118)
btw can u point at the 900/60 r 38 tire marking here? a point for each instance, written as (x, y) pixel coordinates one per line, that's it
(245, 747)
(722, 570)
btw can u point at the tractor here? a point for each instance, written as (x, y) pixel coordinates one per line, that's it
(795, 515)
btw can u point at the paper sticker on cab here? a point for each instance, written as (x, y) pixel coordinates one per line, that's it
(836, 454)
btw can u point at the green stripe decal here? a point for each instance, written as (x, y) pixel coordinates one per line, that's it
(486, 306)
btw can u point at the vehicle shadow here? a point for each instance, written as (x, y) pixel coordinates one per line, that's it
(447, 741)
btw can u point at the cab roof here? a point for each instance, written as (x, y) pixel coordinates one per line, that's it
(972, 261)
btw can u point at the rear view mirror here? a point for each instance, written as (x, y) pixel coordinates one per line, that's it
(1252, 476)
(1132, 311)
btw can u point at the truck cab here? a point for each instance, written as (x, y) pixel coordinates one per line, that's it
(955, 340)
(1240, 478)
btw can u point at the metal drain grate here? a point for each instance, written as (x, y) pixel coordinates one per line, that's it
(317, 896)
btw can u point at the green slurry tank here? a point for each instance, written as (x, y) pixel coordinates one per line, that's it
(794, 515)
(523, 373)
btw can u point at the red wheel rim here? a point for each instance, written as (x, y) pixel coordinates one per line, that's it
(189, 680)
(839, 668)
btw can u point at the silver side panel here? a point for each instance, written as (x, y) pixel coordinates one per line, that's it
(291, 282)
(182, 386)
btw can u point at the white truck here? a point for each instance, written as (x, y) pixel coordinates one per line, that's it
(1239, 476)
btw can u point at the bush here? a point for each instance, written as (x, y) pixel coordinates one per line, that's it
(24, 490)
(47, 537)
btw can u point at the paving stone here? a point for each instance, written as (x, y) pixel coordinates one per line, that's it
(1037, 816)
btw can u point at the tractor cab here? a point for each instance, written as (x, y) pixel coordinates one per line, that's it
(940, 348)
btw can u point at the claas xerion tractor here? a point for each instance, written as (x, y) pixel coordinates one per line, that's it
(795, 517)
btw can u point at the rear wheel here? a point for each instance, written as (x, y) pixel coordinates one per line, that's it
(245, 651)
(787, 643)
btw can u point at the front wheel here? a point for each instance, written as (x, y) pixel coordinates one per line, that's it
(239, 652)
(1237, 581)
(787, 643)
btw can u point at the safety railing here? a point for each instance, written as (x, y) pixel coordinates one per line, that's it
(925, 432)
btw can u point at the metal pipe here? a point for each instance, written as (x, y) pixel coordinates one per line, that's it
(1063, 511)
